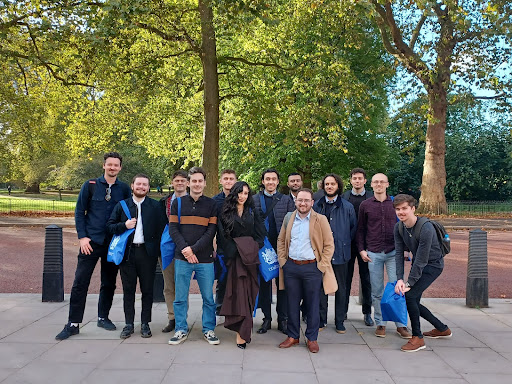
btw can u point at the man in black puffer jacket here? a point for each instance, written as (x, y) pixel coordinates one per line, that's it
(273, 207)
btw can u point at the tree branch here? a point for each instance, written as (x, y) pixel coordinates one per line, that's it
(177, 37)
(499, 96)
(258, 63)
(417, 30)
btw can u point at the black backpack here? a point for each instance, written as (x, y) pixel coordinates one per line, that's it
(442, 235)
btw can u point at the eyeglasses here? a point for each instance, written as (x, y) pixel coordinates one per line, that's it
(300, 201)
(379, 182)
(108, 196)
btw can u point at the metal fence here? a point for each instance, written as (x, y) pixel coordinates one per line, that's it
(479, 207)
(12, 205)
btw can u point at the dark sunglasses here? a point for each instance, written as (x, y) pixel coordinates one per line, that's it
(109, 194)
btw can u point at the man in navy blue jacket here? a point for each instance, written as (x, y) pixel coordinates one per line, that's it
(342, 218)
(96, 200)
(273, 207)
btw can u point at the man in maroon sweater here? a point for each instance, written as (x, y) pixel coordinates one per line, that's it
(376, 245)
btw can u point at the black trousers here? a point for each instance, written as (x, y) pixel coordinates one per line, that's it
(84, 270)
(220, 291)
(413, 297)
(364, 277)
(340, 297)
(265, 300)
(138, 264)
(303, 282)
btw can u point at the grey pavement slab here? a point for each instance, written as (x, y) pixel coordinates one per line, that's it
(478, 352)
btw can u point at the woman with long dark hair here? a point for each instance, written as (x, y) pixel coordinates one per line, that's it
(241, 235)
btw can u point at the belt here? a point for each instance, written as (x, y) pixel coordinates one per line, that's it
(138, 245)
(302, 262)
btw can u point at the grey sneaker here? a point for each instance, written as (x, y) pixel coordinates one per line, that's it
(178, 338)
(211, 338)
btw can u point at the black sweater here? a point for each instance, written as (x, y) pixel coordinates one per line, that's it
(196, 227)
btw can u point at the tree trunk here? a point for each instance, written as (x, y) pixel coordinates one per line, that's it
(32, 188)
(210, 160)
(432, 198)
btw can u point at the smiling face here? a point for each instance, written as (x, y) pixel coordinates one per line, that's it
(270, 182)
(243, 196)
(180, 184)
(405, 212)
(304, 203)
(112, 166)
(197, 184)
(140, 187)
(380, 183)
(331, 186)
(227, 180)
(294, 183)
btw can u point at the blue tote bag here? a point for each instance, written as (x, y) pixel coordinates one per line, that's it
(269, 266)
(393, 305)
(118, 243)
(167, 246)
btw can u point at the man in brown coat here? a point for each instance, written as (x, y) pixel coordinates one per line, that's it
(305, 247)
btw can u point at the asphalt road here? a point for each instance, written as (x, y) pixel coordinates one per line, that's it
(22, 251)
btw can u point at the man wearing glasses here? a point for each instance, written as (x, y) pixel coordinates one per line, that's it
(376, 245)
(96, 200)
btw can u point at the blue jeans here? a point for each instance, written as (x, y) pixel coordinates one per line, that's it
(376, 267)
(205, 277)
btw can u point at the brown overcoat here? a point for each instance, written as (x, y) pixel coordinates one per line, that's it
(322, 243)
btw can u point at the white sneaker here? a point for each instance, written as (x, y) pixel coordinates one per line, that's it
(178, 338)
(211, 338)
(219, 320)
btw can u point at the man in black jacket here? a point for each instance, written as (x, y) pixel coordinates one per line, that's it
(356, 196)
(273, 207)
(142, 251)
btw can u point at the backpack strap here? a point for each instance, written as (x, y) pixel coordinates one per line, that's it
(419, 224)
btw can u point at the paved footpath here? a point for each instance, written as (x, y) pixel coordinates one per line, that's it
(480, 350)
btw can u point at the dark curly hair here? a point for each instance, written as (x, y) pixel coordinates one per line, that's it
(229, 209)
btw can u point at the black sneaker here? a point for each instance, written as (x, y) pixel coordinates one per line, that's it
(68, 330)
(127, 331)
(340, 328)
(145, 331)
(106, 324)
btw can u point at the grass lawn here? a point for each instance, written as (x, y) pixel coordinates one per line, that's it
(34, 202)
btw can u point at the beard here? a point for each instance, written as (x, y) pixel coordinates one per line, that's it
(333, 194)
(138, 194)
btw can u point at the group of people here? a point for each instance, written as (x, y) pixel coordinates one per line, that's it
(318, 237)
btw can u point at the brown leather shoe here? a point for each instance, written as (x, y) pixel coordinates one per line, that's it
(435, 334)
(380, 331)
(403, 332)
(413, 345)
(289, 342)
(313, 346)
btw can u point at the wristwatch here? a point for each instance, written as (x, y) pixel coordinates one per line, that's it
(407, 285)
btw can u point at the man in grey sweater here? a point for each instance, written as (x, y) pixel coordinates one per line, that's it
(427, 265)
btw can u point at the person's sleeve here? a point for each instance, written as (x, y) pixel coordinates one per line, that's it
(115, 224)
(259, 229)
(328, 242)
(399, 252)
(174, 227)
(206, 239)
(361, 229)
(127, 192)
(291, 205)
(352, 221)
(281, 246)
(80, 209)
(422, 253)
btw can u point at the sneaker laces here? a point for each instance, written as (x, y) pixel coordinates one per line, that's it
(178, 334)
(210, 334)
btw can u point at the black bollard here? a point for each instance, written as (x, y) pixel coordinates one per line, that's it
(158, 285)
(477, 284)
(53, 272)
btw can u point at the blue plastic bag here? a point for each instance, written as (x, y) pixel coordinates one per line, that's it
(393, 305)
(167, 245)
(118, 243)
(269, 266)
